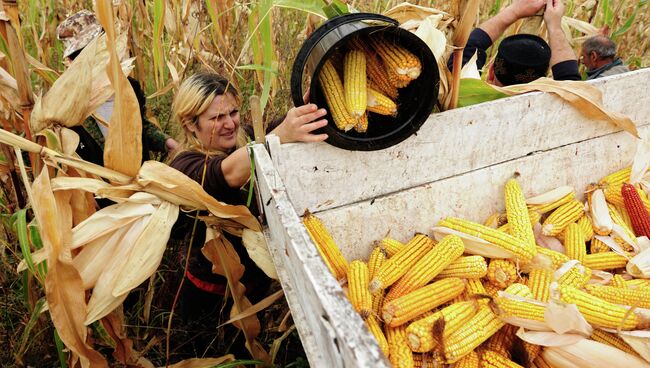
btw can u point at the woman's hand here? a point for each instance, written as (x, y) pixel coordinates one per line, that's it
(299, 124)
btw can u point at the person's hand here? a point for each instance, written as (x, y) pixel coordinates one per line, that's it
(299, 124)
(171, 144)
(553, 14)
(526, 8)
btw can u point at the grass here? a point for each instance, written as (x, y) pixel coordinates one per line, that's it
(224, 37)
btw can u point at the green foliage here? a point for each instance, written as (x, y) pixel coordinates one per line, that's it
(475, 91)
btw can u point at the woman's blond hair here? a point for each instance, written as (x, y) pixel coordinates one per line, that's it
(192, 99)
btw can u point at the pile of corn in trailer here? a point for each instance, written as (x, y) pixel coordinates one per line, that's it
(447, 184)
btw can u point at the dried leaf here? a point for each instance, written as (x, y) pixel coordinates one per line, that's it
(160, 179)
(202, 362)
(113, 323)
(97, 254)
(260, 306)
(107, 220)
(258, 250)
(102, 301)
(545, 338)
(123, 147)
(148, 250)
(63, 286)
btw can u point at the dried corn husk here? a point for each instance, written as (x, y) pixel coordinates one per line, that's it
(258, 250)
(639, 265)
(590, 354)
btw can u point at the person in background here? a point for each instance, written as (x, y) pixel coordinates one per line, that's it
(523, 58)
(76, 32)
(213, 152)
(598, 55)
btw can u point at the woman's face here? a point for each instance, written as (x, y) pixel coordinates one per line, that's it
(218, 125)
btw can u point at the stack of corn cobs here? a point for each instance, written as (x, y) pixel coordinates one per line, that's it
(552, 282)
(373, 72)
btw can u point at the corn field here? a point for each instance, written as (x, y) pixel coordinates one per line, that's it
(45, 193)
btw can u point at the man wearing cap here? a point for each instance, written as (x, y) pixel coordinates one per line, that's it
(598, 55)
(76, 32)
(523, 58)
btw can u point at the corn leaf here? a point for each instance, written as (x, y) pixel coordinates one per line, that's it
(21, 231)
(203, 362)
(159, 7)
(308, 6)
(630, 20)
(113, 323)
(475, 91)
(63, 287)
(123, 146)
(96, 255)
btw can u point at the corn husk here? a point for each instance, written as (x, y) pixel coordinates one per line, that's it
(550, 196)
(639, 265)
(599, 212)
(590, 354)
(95, 256)
(546, 338)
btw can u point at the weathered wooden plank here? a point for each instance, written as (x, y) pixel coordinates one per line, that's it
(320, 176)
(332, 333)
(474, 195)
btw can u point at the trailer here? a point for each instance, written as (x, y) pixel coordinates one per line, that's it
(456, 164)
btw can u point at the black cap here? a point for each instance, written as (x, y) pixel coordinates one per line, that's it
(521, 58)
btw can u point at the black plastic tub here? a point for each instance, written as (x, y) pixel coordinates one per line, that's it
(415, 102)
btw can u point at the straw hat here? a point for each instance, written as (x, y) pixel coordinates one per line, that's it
(77, 31)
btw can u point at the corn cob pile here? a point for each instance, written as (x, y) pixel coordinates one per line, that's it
(459, 297)
(373, 71)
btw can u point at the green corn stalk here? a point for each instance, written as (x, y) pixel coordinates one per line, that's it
(59, 350)
(158, 28)
(23, 240)
(33, 319)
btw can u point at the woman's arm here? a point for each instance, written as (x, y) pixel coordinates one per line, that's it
(297, 126)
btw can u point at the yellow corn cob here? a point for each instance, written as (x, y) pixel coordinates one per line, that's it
(501, 272)
(501, 342)
(378, 303)
(509, 308)
(519, 290)
(362, 124)
(495, 237)
(617, 177)
(380, 104)
(638, 284)
(469, 267)
(376, 259)
(556, 258)
(562, 217)
(517, 214)
(391, 246)
(424, 333)
(400, 353)
(428, 267)
(528, 351)
(618, 219)
(472, 334)
(468, 361)
(597, 246)
(534, 218)
(400, 310)
(576, 276)
(375, 329)
(574, 242)
(332, 88)
(491, 289)
(639, 298)
(375, 70)
(427, 360)
(551, 200)
(612, 340)
(597, 311)
(475, 287)
(605, 261)
(613, 195)
(618, 282)
(586, 226)
(354, 73)
(492, 359)
(329, 251)
(358, 293)
(541, 363)
(539, 281)
(397, 265)
(624, 215)
(398, 60)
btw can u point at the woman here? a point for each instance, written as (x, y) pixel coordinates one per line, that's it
(212, 152)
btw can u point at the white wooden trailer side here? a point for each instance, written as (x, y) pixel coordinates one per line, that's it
(455, 165)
